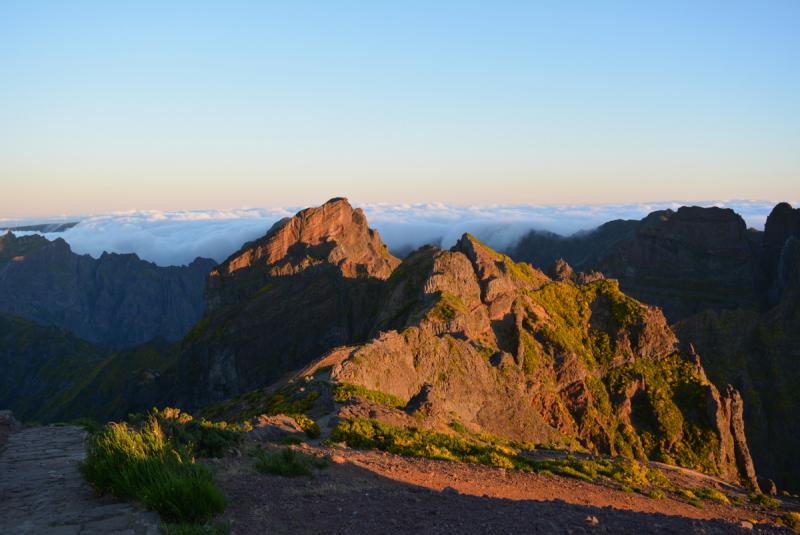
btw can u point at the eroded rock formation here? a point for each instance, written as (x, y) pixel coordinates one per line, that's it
(307, 286)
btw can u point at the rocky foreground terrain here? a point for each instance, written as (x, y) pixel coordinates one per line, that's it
(375, 492)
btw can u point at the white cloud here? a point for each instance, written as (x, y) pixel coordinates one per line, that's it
(177, 238)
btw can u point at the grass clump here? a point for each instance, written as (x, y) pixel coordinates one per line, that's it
(343, 391)
(792, 521)
(205, 438)
(292, 440)
(656, 495)
(88, 425)
(686, 493)
(711, 494)
(766, 501)
(695, 502)
(287, 462)
(623, 488)
(146, 466)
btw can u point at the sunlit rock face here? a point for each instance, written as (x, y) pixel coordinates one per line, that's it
(312, 284)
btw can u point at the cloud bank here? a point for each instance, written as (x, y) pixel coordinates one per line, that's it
(177, 238)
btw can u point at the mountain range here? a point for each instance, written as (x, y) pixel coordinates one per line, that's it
(466, 340)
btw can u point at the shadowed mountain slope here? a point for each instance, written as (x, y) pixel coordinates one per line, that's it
(759, 352)
(50, 375)
(115, 299)
(307, 286)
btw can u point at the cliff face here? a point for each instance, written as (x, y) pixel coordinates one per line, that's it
(307, 286)
(697, 258)
(469, 336)
(759, 352)
(115, 299)
(582, 250)
(50, 375)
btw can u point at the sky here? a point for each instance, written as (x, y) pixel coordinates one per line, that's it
(110, 107)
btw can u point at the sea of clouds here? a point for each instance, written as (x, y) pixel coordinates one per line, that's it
(177, 238)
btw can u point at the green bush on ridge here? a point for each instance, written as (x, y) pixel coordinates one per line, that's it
(205, 438)
(146, 466)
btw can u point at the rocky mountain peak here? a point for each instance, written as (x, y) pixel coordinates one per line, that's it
(333, 234)
(310, 284)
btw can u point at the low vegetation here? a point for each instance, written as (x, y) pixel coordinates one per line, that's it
(147, 466)
(286, 462)
(792, 521)
(371, 434)
(203, 438)
(766, 501)
(343, 391)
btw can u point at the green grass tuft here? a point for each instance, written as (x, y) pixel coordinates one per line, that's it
(791, 521)
(343, 391)
(287, 462)
(766, 501)
(148, 467)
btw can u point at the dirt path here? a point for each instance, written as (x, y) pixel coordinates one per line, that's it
(371, 492)
(42, 493)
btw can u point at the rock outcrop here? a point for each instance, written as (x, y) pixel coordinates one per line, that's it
(469, 338)
(309, 285)
(758, 353)
(583, 249)
(697, 258)
(116, 299)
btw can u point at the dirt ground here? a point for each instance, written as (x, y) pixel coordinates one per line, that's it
(374, 492)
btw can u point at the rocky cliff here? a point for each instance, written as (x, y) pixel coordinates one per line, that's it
(307, 286)
(695, 259)
(115, 299)
(467, 341)
(50, 375)
(582, 250)
(759, 352)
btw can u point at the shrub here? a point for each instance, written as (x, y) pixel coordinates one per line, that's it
(207, 439)
(737, 499)
(145, 465)
(696, 503)
(291, 440)
(625, 489)
(686, 493)
(88, 425)
(656, 495)
(710, 494)
(308, 425)
(287, 462)
(791, 520)
(766, 501)
(343, 391)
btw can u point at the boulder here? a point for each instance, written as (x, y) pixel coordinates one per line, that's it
(7, 420)
(767, 486)
(274, 428)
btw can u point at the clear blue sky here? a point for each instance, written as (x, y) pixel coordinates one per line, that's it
(186, 105)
